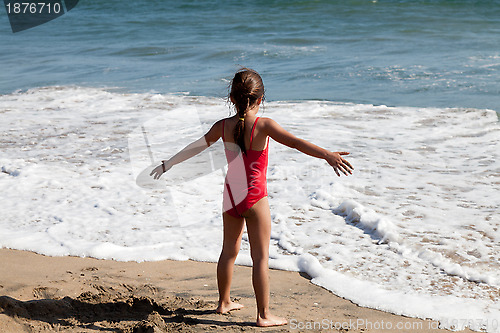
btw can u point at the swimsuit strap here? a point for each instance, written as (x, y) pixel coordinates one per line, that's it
(223, 129)
(251, 134)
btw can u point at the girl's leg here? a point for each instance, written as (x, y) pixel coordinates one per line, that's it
(233, 230)
(258, 219)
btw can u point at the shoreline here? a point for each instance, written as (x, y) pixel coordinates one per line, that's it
(40, 293)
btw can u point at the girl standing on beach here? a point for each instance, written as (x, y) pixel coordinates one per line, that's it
(246, 141)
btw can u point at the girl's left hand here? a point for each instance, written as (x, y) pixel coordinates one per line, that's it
(336, 160)
(160, 170)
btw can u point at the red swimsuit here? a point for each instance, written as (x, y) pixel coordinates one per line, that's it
(245, 182)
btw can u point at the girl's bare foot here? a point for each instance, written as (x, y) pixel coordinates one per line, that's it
(270, 320)
(225, 307)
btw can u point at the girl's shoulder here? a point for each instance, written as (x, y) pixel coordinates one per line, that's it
(266, 122)
(218, 124)
(225, 120)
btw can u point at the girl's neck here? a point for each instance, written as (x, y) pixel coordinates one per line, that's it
(252, 112)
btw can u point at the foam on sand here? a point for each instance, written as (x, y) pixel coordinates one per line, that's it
(414, 231)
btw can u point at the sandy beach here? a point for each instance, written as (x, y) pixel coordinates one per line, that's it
(40, 293)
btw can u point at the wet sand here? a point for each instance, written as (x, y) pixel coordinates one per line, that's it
(71, 294)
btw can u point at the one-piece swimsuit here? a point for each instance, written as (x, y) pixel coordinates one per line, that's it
(245, 182)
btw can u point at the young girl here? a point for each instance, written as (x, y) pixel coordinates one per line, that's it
(246, 142)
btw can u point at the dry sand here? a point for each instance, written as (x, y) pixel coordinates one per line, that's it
(40, 294)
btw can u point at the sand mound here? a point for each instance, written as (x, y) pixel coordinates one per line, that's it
(105, 310)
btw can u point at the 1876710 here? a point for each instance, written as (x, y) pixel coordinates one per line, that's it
(33, 7)
(25, 14)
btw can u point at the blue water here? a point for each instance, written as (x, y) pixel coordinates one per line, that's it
(402, 53)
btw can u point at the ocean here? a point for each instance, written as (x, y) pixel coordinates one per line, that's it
(410, 88)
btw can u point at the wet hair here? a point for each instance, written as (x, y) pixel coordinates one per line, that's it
(246, 89)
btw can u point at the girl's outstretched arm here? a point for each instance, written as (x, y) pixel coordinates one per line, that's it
(335, 159)
(190, 150)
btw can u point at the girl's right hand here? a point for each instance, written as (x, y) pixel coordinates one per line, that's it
(160, 170)
(338, 163)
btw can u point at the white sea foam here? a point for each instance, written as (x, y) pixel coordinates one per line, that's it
(414, 231)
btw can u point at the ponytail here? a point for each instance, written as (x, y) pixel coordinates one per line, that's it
(239, 129)
(246, 89)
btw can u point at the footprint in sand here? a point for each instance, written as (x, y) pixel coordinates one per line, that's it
(44, 292)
